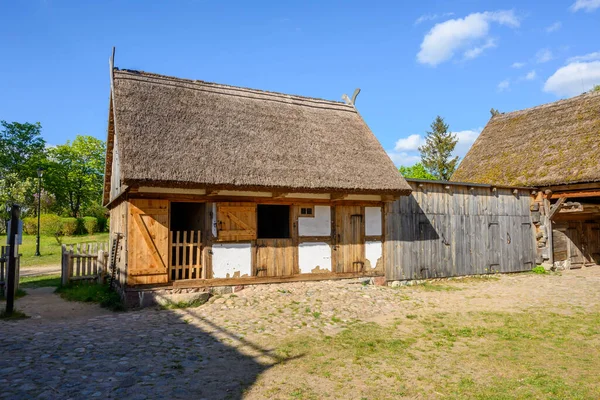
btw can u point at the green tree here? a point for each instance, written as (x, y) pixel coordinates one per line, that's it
(75, 173)
(22, 149)
(15, 190)
(417, 171)
(437, 151)
(596, 88)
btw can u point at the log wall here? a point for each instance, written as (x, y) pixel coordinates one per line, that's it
(445, 230)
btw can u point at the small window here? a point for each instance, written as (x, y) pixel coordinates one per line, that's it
(273, 221)
(307, 211)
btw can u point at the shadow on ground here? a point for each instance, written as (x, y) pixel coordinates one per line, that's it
(145, 354)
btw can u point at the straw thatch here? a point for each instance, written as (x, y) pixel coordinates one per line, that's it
(177, 132)
(552, 144)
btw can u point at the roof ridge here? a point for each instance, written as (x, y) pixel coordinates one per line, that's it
(232, 87)
(550, 104)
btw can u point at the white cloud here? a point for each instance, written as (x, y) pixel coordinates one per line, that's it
(404, 158)
(587, 5)
(518, 64)
(476, 51)
(504, 85)
(531, 75)
(446, 38)
(465, 141)
(411, 142)
(432, 17)
(544, 55)
(586, 57)
(554, 27)
(574, 78)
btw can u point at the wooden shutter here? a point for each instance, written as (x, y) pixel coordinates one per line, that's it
(148, 240)
(236, 221)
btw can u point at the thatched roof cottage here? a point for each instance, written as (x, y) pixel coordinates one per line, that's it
(555, 148)
(213, 184)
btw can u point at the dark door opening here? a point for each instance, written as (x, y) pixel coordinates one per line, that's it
(187, 216)
(273, 221)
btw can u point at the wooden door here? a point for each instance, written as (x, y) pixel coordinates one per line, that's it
(274, 257)
(148, 241)
(593, 229)
(236, 222)
(349, 239)
(576, 245)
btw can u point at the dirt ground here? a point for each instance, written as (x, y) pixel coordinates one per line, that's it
(509, 336)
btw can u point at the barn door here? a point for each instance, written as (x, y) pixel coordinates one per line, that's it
(594, 242)
(576, 245)
(349, 239)
(236, 222)
(274, 257)
(148, 241)
(493, 246)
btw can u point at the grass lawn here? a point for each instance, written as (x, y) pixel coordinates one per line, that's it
(34, 282)
(474, 355)
(49, 248)
(90, 292)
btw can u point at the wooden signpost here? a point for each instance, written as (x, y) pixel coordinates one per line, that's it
(13, 234)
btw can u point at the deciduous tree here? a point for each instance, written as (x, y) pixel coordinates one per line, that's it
(75, 173)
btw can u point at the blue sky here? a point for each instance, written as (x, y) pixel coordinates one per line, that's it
(412, 61)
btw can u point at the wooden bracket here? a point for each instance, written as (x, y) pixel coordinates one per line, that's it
(212, 192)
(556, 206)
(279, 195)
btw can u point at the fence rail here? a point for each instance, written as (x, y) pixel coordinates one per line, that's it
(186, 253)
(84, 261)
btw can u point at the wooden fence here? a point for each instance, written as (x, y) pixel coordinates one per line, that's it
(186, 254)
(84, 261)
(445, 229)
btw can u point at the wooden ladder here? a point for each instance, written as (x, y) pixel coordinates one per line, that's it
(113, 258)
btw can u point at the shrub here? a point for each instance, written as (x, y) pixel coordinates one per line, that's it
(69, 226)
(30, 225)
(107, 227)
(101, 213)
(539, 270)
(90, 224)
(50, 224)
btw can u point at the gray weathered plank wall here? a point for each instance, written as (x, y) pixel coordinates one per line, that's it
(437, 232)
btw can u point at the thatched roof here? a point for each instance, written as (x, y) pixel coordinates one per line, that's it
(552, 144)
(186, 133)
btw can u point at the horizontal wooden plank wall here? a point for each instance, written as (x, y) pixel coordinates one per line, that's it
(453, 230)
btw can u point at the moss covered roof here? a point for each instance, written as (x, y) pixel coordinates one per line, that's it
(552, 144)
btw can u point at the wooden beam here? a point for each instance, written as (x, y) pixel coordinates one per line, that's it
(587, 193)
(279, 195)
(195, 283)
(210, 192)
(548, 223)
(338, 196)
(556, 206)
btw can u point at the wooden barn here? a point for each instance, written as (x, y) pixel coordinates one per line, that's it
(213, 185)
(556, 149)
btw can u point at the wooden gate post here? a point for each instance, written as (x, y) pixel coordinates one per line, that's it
(64, 266)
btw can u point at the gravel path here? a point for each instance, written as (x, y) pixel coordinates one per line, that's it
(40, 270)
(219, 350)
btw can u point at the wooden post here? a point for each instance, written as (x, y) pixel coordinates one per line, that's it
(548, 223)
(100, 268)
(64, 266)
(15, 212)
